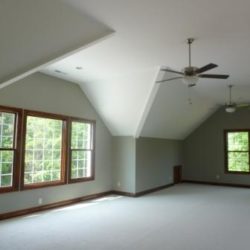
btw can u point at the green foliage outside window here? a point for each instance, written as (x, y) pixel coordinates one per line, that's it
(43, 146)
(34, 149)
(7, 124)
(81, 150)
(80, 135)
(238, 151)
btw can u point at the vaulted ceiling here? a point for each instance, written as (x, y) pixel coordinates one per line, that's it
(114, 50)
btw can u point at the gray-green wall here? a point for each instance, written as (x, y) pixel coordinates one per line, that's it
(44, 93)
(123, 163)
(124, 154)
(204, 148)
(145, 163)
(155, 159)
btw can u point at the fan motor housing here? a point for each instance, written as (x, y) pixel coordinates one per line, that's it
(190, 71)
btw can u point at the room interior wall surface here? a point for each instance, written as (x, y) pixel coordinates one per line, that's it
(204, 155)
(40, 92)
(124, 168)
(155, 159)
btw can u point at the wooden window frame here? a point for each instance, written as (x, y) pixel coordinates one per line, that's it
(19, 149)
(16, 148)
(62, 118)
(227, 171)
(93, 128)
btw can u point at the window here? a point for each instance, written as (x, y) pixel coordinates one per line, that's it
(81, 150)
(9, 154)
(40, 149)
(7, 144)
(44, 161)
(237, 151)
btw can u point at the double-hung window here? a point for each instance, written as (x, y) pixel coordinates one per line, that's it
(9, 148)
(40, 149)
(81, 150)
(237, 151)
(44, 150)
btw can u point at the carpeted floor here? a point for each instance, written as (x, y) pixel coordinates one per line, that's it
(183, 217)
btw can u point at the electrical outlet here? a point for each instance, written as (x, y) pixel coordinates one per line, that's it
(118, 184)
(40, 201)
(217, 176)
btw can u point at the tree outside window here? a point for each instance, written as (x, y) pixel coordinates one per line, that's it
(43, 162)
(7, 147)
(39, 149)
(81, 150)
(237, 151)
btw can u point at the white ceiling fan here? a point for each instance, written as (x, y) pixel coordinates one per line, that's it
(231, 106)
(191, 74)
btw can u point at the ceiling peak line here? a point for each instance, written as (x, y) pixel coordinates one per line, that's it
(148, 103)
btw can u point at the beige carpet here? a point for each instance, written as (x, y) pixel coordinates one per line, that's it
(183, 217)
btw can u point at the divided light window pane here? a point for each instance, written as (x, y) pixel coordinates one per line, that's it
(238, 141)
(81, 150)
(7, 136)
(43, 150)
(81, 135)
(238, 151)
(238, 161)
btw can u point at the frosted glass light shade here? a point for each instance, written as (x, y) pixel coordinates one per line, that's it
(230, 109)
(190, 80)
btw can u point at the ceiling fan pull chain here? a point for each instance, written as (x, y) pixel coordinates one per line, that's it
(189, 96)
(230, 94)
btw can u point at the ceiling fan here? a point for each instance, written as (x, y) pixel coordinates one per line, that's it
(191, 74)
(231, 106)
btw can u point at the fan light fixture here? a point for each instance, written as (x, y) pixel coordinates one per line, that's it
(190, 80)
(230, 109)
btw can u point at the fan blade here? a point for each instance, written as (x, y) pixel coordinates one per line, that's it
(172, 71)
(213, 76)
(206, 68)
(170, 79)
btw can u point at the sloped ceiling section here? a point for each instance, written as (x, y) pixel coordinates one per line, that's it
(118, 75)
(178, 108)
(34, 33)
(117, 89)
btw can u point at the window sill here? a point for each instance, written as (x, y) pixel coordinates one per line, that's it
(42, 185)
(7, 189)
(237, 172)
(82, 179)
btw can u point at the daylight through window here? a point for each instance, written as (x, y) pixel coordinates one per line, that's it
(43, 150)
(39, 149)
(81, 150)
(7, 147)
(237, 151)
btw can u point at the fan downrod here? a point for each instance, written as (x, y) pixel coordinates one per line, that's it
(189, 41)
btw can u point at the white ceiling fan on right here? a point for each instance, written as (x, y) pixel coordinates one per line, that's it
(230, 106)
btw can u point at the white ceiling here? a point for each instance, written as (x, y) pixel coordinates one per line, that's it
(35, 33)
(118, 74)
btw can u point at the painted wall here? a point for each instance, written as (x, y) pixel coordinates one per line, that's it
(155, 159)
(124, 153)
(44, 93)
(204, 148)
